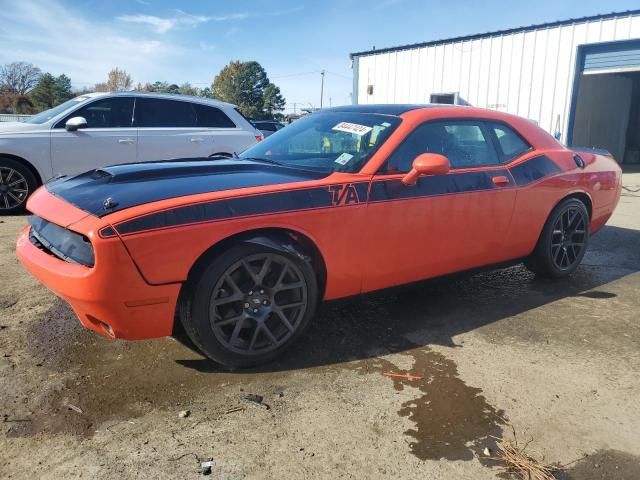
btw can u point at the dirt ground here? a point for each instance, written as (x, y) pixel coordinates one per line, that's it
(559, 361)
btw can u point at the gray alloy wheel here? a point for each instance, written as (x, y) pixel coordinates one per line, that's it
(245, 305)
(258, 304)
(568, 237)
(14, 189)
(563, 241)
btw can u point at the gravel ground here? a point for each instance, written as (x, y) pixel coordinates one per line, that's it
(556, 361)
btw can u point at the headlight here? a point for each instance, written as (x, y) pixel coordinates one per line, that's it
(64, 244)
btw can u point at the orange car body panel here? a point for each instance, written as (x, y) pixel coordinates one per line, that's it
(380, 237)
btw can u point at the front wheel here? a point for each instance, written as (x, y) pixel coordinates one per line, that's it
(563, 241)
(249, 304)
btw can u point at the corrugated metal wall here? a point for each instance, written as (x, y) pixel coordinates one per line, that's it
(528, 73)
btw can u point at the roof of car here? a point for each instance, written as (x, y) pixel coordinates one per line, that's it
(384, 109)
(171, 96)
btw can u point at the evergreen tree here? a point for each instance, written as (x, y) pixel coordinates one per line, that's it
(63, 90)
(45, 92)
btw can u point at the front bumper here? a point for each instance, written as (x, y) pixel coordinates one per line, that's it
(111, 298)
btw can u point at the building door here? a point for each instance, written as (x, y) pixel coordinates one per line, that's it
(605, 110)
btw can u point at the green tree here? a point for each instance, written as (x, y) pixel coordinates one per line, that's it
(173, 88)
(187, 89)
(51, 91)
(244, 84)
(63, 89)
(206, 92)
(45, 92)
(156, 87)
(274, 102)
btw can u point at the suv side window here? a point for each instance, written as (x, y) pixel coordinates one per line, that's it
(114, 112)
(466, 143)
(161, 113)
(212, 117)
(510, 142)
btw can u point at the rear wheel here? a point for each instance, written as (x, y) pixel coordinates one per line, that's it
(249, 304)
(16, 184)
(563, 242)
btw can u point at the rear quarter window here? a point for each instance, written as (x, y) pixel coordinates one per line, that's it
(511, 144)
(212, 117)
(162, 113)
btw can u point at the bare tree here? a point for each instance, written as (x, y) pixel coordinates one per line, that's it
(118, 80)
(101, 87)
(19, 77)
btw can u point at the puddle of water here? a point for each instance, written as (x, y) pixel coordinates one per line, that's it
(451, 419)
(116, 380)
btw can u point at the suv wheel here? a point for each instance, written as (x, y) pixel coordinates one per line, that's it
(16, 184)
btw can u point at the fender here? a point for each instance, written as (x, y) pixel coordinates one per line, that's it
(279, 242)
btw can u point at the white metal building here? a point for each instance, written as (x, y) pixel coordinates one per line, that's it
(579, 79)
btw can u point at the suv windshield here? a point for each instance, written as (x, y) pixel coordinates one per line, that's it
(331, 141)
(47, 115)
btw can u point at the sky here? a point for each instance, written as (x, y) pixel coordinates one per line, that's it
(191, 41)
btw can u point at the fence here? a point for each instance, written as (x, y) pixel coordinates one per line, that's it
(10, 117)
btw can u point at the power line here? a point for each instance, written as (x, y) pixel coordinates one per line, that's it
(296, 74)
(338, 74)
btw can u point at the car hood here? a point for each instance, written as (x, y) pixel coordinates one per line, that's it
(111, 189)
(18, 127)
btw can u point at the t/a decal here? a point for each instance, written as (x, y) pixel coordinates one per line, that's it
(344, 195)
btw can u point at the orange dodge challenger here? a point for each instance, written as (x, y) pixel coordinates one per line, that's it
(344, 201)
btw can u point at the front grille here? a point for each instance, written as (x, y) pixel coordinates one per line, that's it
(59, 242)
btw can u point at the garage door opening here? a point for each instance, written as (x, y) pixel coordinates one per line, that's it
(606, 108)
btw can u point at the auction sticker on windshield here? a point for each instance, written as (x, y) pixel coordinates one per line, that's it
(344, 158)
(354, 128)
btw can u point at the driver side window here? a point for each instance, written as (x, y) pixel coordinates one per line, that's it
(112, 112)
(465, 143)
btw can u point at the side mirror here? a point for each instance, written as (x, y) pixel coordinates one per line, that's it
(426, 164)
(75, 123)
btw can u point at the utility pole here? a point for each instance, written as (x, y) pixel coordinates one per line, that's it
(321, 87)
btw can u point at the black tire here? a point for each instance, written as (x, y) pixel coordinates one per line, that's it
(261, 336)
(563, 242)
(16, 184)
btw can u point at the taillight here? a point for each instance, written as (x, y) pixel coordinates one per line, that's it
(259, 138)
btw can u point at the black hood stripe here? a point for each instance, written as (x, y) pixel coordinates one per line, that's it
(111, 189)
(262, 204)
(340, 195)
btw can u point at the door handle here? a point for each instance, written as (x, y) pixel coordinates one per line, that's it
(197, 139)
(126, 141)
(500, 180)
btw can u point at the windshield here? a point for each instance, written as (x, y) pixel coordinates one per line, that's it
(47, 115)
(331, 141)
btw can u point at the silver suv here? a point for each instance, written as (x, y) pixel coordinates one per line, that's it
(100, 129)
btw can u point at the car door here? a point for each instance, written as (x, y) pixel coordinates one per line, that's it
(169, 129)
(444, 223)
(108, 138)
